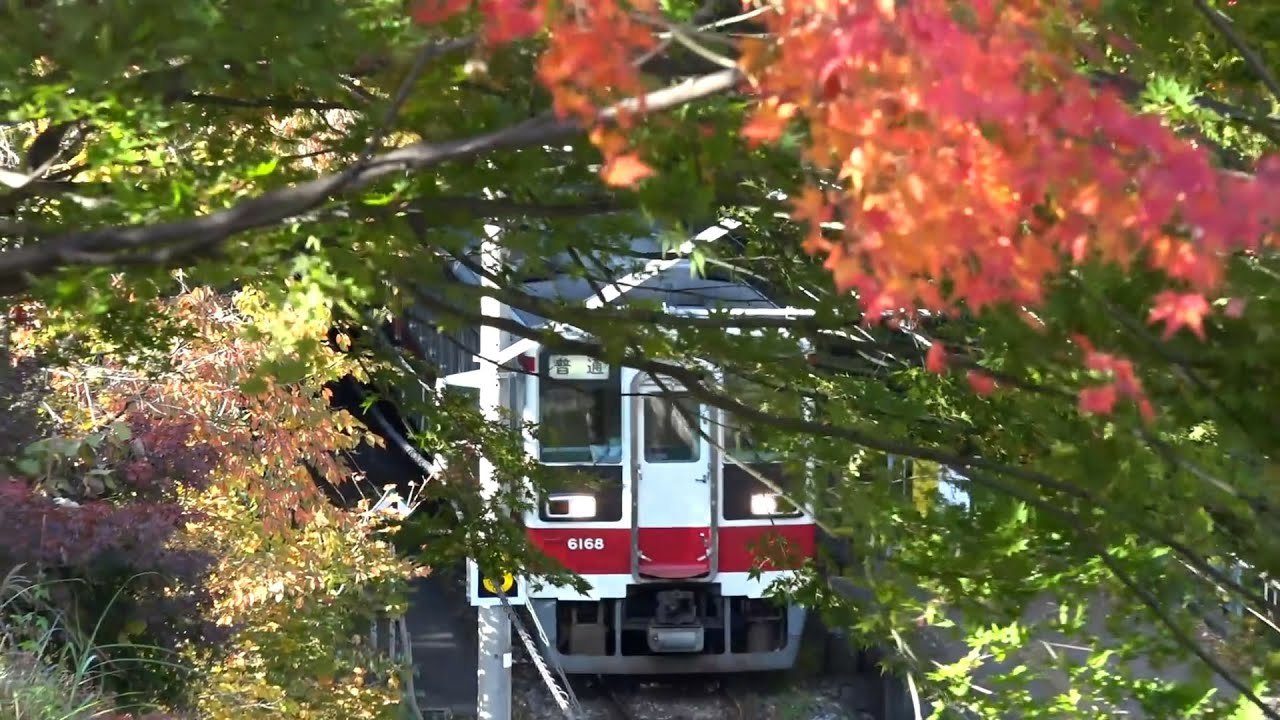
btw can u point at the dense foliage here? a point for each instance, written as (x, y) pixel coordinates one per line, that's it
(1058, 177)
(186, 514)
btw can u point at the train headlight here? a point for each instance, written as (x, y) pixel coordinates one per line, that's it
(763, 504)
(577, 507)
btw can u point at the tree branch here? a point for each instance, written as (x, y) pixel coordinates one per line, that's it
(506, 207)
(483, 207)
(1222, 24)
(264, 103)
(164, 243)
(1131, 88)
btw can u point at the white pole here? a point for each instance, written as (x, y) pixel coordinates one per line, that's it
(493, 680)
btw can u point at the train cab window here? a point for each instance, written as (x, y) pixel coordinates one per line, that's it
(580, 410)
(669, 431)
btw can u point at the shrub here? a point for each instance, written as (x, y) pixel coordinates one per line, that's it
(301, 603)
(110, 552)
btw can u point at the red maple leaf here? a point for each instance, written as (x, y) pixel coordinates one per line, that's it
(768, 122)
(1179, 310)
(1098, 400)
(511, 19)
(936, 360)
(982, 383)
(430, 12)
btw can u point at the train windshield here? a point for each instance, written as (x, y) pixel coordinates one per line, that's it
(580, 410)
(671, 432)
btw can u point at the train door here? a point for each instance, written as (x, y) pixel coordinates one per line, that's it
(673, 534)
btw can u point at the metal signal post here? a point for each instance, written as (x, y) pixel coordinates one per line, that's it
(493, 681)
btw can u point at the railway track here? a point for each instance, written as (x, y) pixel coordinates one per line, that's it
(734, 708)
(614, 707)
(628, 699)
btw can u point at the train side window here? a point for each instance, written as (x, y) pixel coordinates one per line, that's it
(669, 433)
(579, 414)
(740, 440)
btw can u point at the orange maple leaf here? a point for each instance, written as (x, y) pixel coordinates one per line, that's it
(625, 170)
(812, 207)
(768, 122)
(610, 143)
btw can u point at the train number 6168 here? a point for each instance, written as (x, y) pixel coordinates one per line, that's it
(594, 543)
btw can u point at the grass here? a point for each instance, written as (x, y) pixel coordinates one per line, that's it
(33, 689)
(39, 681)
(47, 671)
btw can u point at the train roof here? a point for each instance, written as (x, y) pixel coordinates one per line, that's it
(647, 270)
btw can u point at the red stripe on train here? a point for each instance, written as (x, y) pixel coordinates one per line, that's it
(742, 549)
(588, 552)
(607, 551)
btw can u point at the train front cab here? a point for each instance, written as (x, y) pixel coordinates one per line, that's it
(669, 534)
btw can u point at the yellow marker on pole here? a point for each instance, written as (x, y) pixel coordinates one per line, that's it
(508, 581)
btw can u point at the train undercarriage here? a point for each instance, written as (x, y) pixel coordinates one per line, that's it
(671, 628)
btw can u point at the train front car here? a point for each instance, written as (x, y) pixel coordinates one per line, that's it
(665, 526)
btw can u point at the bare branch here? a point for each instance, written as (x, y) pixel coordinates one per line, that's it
(426, 54)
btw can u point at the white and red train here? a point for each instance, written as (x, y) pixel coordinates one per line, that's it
(660, 507)
(678, 542)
